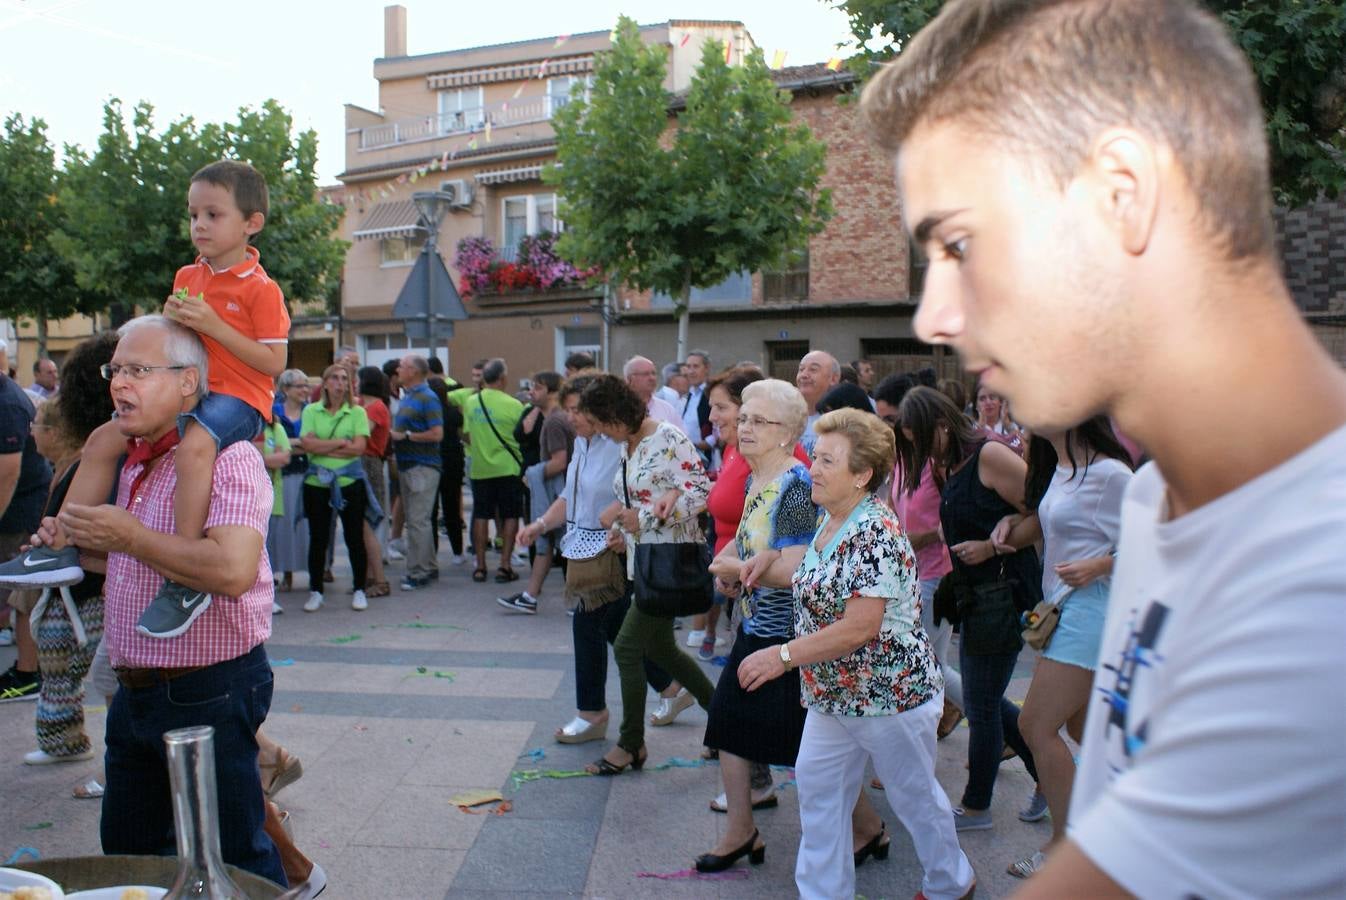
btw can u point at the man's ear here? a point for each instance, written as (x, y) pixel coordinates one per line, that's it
(1124, 171)
(190, 381)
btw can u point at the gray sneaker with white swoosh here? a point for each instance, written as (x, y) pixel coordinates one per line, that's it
(172, 611)
(42, 567)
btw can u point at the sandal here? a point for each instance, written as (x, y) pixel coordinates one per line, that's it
(89, 790)
(505, 575)
(478, 575)
(285, 769)
(378, 589)
(604, 766)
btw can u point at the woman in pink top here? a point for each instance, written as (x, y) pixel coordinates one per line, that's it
(918, 512)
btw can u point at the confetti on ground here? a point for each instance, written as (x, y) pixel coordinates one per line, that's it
(500, 809)
(677, 762)
(296, 708)
(537, 754)
(422, 670)
(361, 727)
(476, 798)
(38, 827)
(20, 854)
(693, 874)
(344, 640)
(517, 779)
(282, 662)
(424, 625)
(95, 709)
(324, 845)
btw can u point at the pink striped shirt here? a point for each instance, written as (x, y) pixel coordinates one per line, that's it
(240, 494)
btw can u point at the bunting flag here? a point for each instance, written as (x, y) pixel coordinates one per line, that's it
(402, 179)
(488, 131)
(834, 64)
(778, 61)
(472, 144)
(728, 48)
(444, 160)
(685, 38)
(517, 91)
(542, 69)
(560, 41)
(415, 176)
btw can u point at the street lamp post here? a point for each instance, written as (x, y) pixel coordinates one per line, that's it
(431, 207)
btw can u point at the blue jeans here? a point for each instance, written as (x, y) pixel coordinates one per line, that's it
(225, 418)
(593, 630)
(233, 697)
(992, 720)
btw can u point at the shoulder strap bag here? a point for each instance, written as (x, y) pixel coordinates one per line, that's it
(672, 579)
(518, 460)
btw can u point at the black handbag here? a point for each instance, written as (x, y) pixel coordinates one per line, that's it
(672, 579)
(990, 617)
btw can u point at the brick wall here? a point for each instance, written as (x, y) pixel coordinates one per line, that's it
(1313, 252)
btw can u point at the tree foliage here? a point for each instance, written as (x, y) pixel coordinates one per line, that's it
(35, 280)
(1297, 49)
(733, 186)
(126, 232)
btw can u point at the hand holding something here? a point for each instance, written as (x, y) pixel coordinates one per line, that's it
(616, 541)
(754, 567)
(100, 528)
(196, 314)
(629, 519)
(973, 553)
(759, 668)
(663, 507)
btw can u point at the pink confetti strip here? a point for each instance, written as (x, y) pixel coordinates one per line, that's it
(727, 875)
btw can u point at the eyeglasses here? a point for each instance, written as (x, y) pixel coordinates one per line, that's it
(755, 421)
(134, 372)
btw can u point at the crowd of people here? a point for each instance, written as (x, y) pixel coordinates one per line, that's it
(1187, 612)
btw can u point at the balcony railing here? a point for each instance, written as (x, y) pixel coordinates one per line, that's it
(466, 121)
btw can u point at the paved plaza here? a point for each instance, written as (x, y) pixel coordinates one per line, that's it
(428, 695)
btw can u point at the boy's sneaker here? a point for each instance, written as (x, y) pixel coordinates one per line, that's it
(411, 583)
(965, 821)
(1036, 810)
(172, 611)
(522, 602)
(16, 685)
(359, 602)
(694, 638)
(314, 601)
(42, 567)
(707, 651)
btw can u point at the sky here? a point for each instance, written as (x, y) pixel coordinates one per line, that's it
(61, 60)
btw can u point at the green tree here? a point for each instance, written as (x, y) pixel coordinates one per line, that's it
(1297, 49)
(127, 231)
(733, 187)
(35, 280)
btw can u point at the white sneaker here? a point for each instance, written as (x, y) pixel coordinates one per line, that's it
(359, 602)
(6, 637)
(394, 555)
(276, 608)
(314, 601)
(457, 559)
(42, 758)
(694, 638)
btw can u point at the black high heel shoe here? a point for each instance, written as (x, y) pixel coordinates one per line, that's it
(602, 766)
(709, 862)
(877, 847)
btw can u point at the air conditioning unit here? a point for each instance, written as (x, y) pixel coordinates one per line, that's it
(461, 191)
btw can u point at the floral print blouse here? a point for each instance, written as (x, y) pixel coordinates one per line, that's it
(868, 557)
(664, 460)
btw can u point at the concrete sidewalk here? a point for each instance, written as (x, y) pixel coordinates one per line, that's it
(429, 694)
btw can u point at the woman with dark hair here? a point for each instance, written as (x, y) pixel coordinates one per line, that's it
(62, 426)
(845, 396)
(333, 433)
(1074, 487)
(980, 482)
(662, 475)
(372, 395)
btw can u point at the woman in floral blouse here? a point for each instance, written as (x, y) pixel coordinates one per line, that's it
(662, 474)
(868, 676)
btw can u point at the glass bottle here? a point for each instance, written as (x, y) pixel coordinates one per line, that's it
(191, 770)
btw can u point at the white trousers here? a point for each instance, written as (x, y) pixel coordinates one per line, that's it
(941, 637)
(828, 773)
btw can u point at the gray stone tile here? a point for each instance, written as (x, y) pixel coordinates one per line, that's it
(520, 855)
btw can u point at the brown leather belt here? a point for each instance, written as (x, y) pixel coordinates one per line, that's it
(136, 679)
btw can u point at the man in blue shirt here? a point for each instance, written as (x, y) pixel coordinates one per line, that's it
(416, 433)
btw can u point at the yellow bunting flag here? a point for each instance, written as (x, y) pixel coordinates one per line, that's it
(517, 91)
(834, 63)
(728, 48)
(472, 144)
(488, 131)
(415, 176)
(561, 40)
(778, 61)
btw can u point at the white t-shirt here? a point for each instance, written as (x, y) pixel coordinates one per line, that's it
(1080, 516)
(1214, 759)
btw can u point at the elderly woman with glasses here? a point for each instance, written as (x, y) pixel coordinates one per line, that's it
(287, 539)
(778, 520)
(869, 678)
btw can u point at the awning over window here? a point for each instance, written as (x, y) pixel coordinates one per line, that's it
(504, 176)
(571, 65)
(395, 219)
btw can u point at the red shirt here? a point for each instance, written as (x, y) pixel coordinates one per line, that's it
(380, 424)
(253, 305)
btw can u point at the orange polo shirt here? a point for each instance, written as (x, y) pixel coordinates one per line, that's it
(253, 305)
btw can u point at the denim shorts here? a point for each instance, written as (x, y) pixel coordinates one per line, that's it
(225, 418)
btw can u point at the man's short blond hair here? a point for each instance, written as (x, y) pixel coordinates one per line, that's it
(1048, 75)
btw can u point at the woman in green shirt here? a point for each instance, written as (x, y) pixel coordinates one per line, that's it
(333, 432)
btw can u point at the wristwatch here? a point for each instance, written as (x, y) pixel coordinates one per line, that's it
(785, 656)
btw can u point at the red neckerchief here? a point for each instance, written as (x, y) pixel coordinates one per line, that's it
(143, 452)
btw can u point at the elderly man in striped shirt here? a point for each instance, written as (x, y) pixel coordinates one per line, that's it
(215, 674)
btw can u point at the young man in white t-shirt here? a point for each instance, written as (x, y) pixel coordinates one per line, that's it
(1090, 182)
